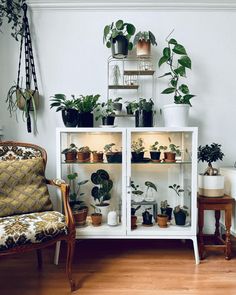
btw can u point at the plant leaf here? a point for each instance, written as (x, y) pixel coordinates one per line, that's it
(185, 61)
(168, 90)
(119, 24)
(184, 88)
(172, 41)
(166, 52)
(179, 49)
(162, 60)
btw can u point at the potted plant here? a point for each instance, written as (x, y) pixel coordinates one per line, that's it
(180, 212)
(211, 183)
(112, 156)
(177, 59)
(137, 150)
(162, 220)
(134, 217)
(152, 186)
(97, 156)
(68, 108)
(70, 153)
(147, 217)
(117, 105)
(136, 192)
(101, 192)
(86, 105)
(173, 151)
(117, 36)
(166, 209)
(107, 113)
(96, 216)
(78, 207)
(131, 107)
(144, 113)
(116, 75)
(84, 154)
(143, 42)
(155, 151)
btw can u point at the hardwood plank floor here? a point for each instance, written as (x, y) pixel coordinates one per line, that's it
(121, 267)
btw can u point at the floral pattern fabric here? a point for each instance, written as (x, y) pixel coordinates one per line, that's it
(8, 152)
(30, 228)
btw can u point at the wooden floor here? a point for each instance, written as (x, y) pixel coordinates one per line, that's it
(121, 267)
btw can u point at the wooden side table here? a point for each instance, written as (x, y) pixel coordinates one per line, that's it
(217, 204)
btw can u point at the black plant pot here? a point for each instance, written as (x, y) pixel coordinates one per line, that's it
(129, 110)
(168, 212)
(137, 157)
(85, 119)
(70, 117)
(147, 218)
(155, 156)
(119, 47)
(180, 218)
(115, 157)
(143, 118)
(109, 120)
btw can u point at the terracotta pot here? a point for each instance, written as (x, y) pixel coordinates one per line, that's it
(71, 157)
(97, 157)
(80, 216)
(83, 156)
(143, 48)
(162, 220)
(169, 156)
(96, 219)
(133, 221)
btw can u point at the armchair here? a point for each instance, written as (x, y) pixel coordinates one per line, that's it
(27, 219)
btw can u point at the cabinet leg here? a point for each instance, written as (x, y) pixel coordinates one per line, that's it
(195, 248)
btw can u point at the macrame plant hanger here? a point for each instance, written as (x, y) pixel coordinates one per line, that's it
(29, 67)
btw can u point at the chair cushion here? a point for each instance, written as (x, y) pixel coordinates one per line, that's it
(23, 187)
(30, 228)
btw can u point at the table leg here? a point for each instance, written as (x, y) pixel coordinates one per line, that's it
(217, 224)
(227, 236)
(200, 231)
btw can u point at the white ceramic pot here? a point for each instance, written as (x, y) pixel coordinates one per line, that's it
(211, 186)
(176, 115)
(104, 212)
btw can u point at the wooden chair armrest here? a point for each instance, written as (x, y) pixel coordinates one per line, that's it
(64, 187)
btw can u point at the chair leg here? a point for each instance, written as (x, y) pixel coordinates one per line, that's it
(39, 257)
(69, 260)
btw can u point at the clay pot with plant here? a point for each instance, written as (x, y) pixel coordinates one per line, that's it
(143, 42)
(78, 207)
(137, 150)
(134, 217)
(166, 209)
(97, 156)
(162, 220)
(180, 212)
(173, 151)
(112, 156)
(96, 216)
(84, 153)
(155, 151)
(70, 153)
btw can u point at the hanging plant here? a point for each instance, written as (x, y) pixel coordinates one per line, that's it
(11, 12)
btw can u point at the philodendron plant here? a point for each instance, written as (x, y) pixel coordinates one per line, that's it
(178, 61)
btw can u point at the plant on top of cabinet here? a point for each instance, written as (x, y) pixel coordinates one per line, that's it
(166, 209)
(78, 207)
(84, 154)
(131, 107)
(143, 42)
(173, 151)
(180, 212)
(112, 156)
(97, 156)
(70, 153)
(117, 36)
(177, 59)
(137, 150)
(106, 111)
(155, 151)
(134, 217)
(86, 105)
(96, 216)
(68, 107)
(101, 192)
(144, 113)
(211, 183)
(117, 104)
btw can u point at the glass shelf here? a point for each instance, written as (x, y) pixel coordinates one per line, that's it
(91, 163)
(161, 163)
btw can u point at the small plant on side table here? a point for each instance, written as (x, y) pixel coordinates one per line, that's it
(180, 212)
(137, 150)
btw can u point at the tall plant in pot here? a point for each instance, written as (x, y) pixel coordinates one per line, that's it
(68, 108)
(178, 61)
(180, 212)
(144, 113)
(117, 36)
(101, 192)
(211, 183)
(143, 41)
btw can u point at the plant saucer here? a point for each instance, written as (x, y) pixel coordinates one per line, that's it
(169, 161)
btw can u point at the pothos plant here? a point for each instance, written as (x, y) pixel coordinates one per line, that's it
(178, 61)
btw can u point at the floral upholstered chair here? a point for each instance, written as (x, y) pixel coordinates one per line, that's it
(27, 219)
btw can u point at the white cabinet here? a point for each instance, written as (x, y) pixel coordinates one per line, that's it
(182, 172)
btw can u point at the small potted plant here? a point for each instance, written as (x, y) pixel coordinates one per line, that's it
(107, 113)
(117, 104)
(136, 192)
(180, 212)
(86, 105)
(84, 153)
(147, 217)
(137, 150)
(117, 36)
(155, 151)
(151, 187)
(96, 216)
(166, 209)
(67, 107)
(144, 113)
(134, 217)
(143, 42)
(170, 155)
(131, 107)
(97, 156)
(178, 61)
(78, 207)
(112, 156)
(70, 153)
(101, 192)
(162, 220)
(211, 183)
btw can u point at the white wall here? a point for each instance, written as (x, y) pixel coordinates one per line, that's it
(71, 58)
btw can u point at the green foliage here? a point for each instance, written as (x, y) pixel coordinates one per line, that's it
(87, 104)
(177, 189)
(106, 109)
(118, 28)
(149, 185)
(137, 146)
(101, 192)
(72, 148)
(62, 103)
(136, 190)
(96, 209)
(108, 147)
(164, 204)
(176, 57)
(132, 106)
(133, 210)
(174, 148)
(210, 153)
(154, 146)
(146, 36)
(182, 209)
(11, 12)
(84, 149)
(146, 105)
